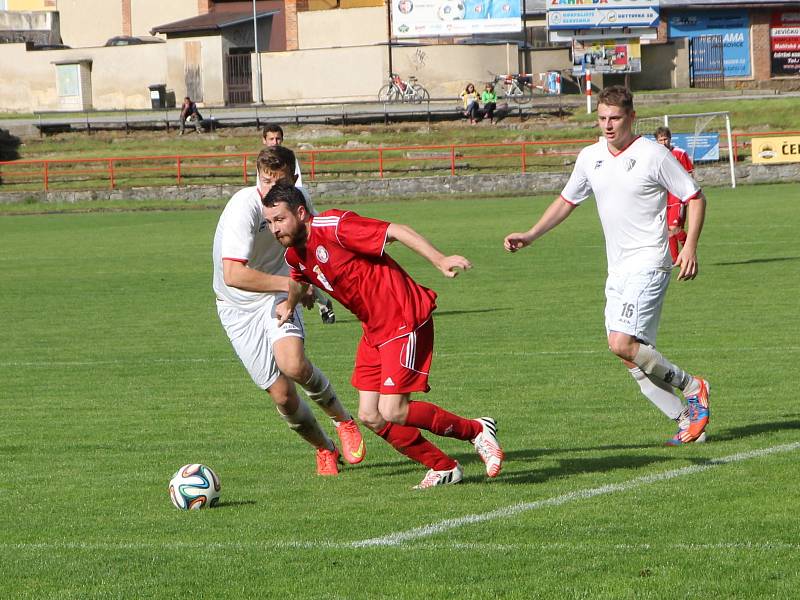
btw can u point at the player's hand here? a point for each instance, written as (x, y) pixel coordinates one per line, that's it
(283, 312)
(451, 265)
(515, 241)
(687, 263)
(308, 298)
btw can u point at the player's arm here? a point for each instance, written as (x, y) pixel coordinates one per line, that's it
(687, 259)
(297, 292)
(558, 210)
(448, 265)
(237, 274)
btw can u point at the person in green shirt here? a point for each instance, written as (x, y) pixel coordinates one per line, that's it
(489, 99)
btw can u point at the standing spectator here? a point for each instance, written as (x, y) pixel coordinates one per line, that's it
(190, 114)
(272, 135)
(676, 211)
(489, 99)
(629, 176)
(472, 105)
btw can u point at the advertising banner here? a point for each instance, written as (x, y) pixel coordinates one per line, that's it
(775, 150)
(700, 147)
(432, 18)
(606, 56)
(603, 17)
(732, 25)
(784, 35)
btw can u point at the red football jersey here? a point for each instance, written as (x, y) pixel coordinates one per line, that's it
(344, 256)
(683, 158)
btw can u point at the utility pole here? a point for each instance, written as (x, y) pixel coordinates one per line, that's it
(389, 27)
(258, 56)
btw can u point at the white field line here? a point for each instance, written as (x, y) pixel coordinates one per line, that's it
(401, 537)
(45, 364)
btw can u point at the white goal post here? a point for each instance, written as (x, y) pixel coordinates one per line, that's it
(701, 122)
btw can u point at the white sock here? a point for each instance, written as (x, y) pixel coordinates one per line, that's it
(657, 367)
(307, 427)
(320, 390)
(659, 393)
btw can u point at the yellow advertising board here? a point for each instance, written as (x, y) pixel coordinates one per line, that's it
(775, 150)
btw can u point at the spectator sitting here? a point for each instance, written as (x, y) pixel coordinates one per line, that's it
(489, 99)
(190, 114)
(471, 103)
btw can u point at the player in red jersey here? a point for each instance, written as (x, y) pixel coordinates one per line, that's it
(343, 253)
(676, 215)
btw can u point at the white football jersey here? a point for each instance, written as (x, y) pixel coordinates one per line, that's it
(630, 188)
(244, 235)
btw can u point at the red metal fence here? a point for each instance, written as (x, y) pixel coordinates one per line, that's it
(317, 165)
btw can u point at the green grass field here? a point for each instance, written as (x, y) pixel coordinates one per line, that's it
(115, 372)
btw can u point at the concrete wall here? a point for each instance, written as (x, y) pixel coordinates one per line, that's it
(86, 23)
(146, 14)
(211, 65)
(328, 74)
(40, 27)
(120, 76)
(338, 28)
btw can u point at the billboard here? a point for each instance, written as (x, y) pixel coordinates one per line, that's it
(424, 18)
(784, 36)
(775, 150)
(732, 25)
(606, 56)
(591, 15)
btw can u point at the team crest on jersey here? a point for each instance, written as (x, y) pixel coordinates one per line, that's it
(630, 163)
(598, 164)
(322, 254)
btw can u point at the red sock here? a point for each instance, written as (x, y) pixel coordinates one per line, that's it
(409, 441)
(673, 247)
(430, 417)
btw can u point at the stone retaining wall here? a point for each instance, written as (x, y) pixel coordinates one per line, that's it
(510, 183)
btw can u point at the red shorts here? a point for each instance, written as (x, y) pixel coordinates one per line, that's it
(676, 213)
(399, 366)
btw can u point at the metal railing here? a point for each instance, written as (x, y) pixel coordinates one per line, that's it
(318, 165)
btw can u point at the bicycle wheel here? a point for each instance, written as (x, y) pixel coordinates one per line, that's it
(420, 94)
(516, 93)
(388, 93)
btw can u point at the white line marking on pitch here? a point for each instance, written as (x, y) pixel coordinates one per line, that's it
(401, 537)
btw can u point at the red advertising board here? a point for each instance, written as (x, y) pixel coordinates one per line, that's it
(784, 33)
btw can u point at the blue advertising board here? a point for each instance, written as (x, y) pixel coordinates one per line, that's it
(700, 147)
(732, 25)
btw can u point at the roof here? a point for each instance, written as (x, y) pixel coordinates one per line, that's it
(539, 7)
(213, 21)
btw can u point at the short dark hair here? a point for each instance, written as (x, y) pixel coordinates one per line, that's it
(663, 131)
(275, 158)
(285, 191)
(272, 128)
(616, 95)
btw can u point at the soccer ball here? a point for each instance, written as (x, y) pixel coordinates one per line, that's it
(194, 487)
(451, 10)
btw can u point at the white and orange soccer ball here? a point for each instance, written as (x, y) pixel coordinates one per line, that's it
(193, 487)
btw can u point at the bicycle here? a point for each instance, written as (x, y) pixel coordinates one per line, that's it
(398, 90)
(517, 87)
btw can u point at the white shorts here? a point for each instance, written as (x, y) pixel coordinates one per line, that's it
(252, 333)
(634, 301)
